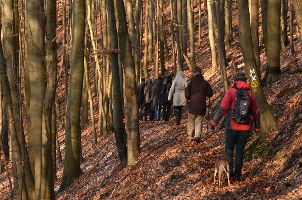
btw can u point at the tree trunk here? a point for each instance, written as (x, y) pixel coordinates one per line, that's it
(118, 124)
(211, 36)
(72, 131)
(264, 20)
(228, 23)
(25, 180)
(161, 30)
(47, 183)
(90, 101)
(254, 20)
(283, 21)
(298, 14)
(132, 35)
(186, 6)
(84, 106)
(138, 16)
(220, 44)
(177, 13)
(291, 27)
(273, 41)
(190, 13)
(267, 118)
(131, 108)
(173, 35)
(35, 47)
(146, 41)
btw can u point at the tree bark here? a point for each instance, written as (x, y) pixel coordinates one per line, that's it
(211, 36)
(297, 6)
(176, 12)
(254, 20)
(291, 28)
(228, 23)
(118, 124)
(186, 6)
(220, 43)
(283, 21)
(72, 131)
(131, 108)
(264, 20)
(47, 183)
(267, 118)
(273, 41)
(190, 13)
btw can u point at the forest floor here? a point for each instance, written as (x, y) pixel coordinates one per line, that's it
(171, 167)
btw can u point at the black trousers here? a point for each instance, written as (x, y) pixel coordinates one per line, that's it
(236, 139)
(166, 111)
(178, 113)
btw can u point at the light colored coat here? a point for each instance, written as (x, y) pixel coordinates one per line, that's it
(178, 90)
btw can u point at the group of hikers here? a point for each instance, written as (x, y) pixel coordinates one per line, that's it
(238, 106)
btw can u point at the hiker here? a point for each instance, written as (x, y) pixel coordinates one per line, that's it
(177, 91)
(155, 96)
(147, 99)
(164, 98)
(140, 93)
(241, 111)
(196, 92)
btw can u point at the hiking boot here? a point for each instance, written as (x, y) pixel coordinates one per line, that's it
(196, 139)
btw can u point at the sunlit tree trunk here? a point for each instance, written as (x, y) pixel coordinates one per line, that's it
(273, 41)
(72, 130)
(185, 23)
(254, 20)
(267, 118)
(211, 35)
(190, 13)
(177, 13)
(297, 5)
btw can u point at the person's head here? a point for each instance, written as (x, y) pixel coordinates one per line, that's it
(143, 80)
(240, 76)
(197, 70)
(169, 78)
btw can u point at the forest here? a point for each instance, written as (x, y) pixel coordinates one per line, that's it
(72, 121)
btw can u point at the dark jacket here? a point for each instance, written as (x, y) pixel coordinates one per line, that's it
(156, 91)
(196, 92)
(227, 106)
(165, 92)
(140, 93)
(147, 92)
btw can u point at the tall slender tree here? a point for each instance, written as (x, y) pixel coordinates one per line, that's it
(190, 14)
(267, 118)
(131, 110)
(72, 130)
(118, 124)
(210, 4)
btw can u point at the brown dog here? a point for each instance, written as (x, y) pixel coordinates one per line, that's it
(221, 166)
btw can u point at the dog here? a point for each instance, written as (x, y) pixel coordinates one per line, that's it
(222, 166)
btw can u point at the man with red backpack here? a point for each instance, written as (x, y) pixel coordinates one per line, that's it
(241, 112)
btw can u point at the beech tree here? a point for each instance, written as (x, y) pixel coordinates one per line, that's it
(72, 130)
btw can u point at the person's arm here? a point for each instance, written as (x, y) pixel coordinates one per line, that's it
(223, 108)
(171, 92)
(209, 90)
(188, 91)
